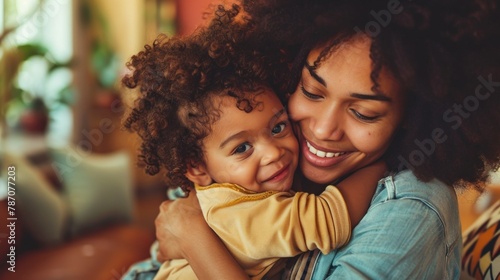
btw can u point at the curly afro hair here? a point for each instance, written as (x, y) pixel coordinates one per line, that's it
(445, 55)
(177, 79)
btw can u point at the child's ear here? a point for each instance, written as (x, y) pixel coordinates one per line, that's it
(198, 174)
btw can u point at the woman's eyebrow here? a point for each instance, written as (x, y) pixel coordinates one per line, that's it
(379, 96)
(314, 75)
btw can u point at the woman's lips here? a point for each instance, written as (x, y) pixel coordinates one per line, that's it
(321, 158)
(323, 154)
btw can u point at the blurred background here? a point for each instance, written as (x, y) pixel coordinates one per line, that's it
(73, 203)
(80, 208)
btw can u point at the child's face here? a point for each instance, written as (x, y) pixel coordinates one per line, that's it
(255, 150)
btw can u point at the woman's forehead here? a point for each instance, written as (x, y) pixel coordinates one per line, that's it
(352, 56)
(339, 46)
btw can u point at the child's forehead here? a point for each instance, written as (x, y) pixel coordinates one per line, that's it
(232, 118)
(230, 96)
(247, 101)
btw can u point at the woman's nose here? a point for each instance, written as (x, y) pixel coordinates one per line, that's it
(327, 126)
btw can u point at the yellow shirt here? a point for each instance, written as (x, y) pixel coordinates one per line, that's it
(260, 228)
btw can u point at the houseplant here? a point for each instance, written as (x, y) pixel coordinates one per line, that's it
(105, 64)
(30, 104)
(17, 59)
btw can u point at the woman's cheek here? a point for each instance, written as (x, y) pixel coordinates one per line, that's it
(296, 106)
(370, 141)
(360, 134)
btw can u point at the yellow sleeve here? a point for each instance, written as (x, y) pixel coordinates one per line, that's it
(279, 225)
(175, 269)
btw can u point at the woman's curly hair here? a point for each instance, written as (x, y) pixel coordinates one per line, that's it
(177, 79)
(444, 53)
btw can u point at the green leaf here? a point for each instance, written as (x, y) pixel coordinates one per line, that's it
(30, 50)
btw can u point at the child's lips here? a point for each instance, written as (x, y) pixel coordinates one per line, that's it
(279, 175)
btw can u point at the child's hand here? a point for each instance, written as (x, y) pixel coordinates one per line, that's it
(178, 224)
(359, 187)
(182, 233)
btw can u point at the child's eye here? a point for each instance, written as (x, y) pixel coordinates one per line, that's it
(242, 148)
(277, 129)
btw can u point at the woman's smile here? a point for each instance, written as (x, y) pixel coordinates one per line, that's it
(321, 153)
(321, 157)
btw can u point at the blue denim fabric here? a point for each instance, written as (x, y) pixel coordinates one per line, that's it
(146, 269)
(411, 231)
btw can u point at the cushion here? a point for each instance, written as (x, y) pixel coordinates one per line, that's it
(98, 187)
(481, 241)
(42, 210)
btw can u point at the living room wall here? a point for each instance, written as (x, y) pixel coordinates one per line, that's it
(131, 24)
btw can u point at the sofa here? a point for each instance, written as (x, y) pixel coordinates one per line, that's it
(71, 217)
(481, 240)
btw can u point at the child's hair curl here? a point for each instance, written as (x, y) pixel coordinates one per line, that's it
(178, 78)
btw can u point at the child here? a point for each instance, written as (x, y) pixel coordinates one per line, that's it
(208, 115)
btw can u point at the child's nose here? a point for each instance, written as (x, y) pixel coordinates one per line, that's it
(270, 153)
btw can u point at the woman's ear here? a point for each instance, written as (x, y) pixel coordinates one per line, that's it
(198, 174)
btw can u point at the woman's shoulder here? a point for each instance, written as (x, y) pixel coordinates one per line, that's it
(403, 185)
(407, 219)
(406, 184)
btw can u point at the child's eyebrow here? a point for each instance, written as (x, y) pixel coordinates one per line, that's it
(277, 115)
(230, 138)
(239, 134)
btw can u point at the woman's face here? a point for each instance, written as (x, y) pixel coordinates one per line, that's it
(342, 124)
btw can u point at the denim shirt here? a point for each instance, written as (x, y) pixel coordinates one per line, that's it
(411, 231)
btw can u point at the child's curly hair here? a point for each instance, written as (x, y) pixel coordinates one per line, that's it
(177, 79)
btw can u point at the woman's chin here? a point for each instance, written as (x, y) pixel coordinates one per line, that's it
(319, 175)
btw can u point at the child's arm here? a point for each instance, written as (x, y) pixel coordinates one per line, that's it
(193, 241)
(358, 189)
(264, 225)
(276, 224)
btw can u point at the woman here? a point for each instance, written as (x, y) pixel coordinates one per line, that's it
(412, 83)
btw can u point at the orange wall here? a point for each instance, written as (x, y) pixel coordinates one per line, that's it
(190, 14)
